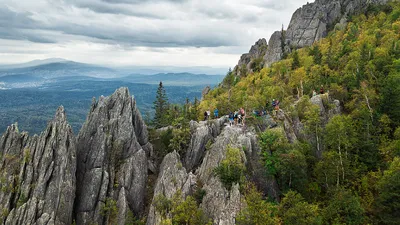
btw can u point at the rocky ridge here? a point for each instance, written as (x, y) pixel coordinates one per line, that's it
(100, 176)
(308, 24)
(38, 174)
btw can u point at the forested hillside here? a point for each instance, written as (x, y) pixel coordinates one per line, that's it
(345, 170)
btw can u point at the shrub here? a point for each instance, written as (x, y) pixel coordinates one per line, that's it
(110, 210)
(257, 210)
(231, 169)
(162, 204)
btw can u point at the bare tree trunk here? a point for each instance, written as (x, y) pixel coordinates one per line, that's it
(337, 176)
(341, 160)
(369, 107)
(302, 88)
(316, 135)
(326, 180)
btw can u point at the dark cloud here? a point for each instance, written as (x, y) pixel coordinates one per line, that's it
(20, 26)
(140, 1)
(12, 19)
(113, 7)
(143, 23)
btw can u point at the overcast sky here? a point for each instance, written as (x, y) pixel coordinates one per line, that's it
(138, 32)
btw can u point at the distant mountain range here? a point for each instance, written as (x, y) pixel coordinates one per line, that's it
(39, 72)
(37, 62)
(177, 79)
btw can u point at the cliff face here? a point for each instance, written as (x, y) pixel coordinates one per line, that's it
(308, 24)
(113, 150)
(258, 50)
(219, 204)
(38, 174)
(99, 177)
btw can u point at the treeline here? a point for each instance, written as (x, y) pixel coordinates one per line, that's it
(345, 170)
(174, 119)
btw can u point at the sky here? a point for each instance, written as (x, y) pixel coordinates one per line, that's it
(182, 33)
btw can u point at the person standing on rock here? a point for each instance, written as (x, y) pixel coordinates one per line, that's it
(321, 90)
(231, 118)
(216, 112)
(235, 117)
(242, 114)
(314, 93)
(208, 114)
(205, 115)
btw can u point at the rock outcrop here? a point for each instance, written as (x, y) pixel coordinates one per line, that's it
(203, 133)
(38, 174)
(327, 107)
(171, 179)
(112, 151)
(275, 48)
(220, 204)
(258, 50)
(308, 24)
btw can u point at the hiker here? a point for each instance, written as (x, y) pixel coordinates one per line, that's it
(256, 113)
(322, 91)
(205, 115)
(208, 114)
(231, 118)
(216, 112)
(242, 115)
(235, 117)
(277, 105)
(273, 104)
(314, 93)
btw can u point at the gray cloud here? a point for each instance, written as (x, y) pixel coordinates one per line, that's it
(225, 27)
(11, 19)
(140, 1)
(113, 7)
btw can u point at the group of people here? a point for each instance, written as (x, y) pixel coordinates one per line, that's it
(321, 91)
(237, 117)
(265, 111)
(207, 114)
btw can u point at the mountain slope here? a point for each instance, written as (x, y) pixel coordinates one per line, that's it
(309, 24)
(334, 162)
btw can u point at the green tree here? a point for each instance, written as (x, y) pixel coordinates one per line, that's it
(186, 211)
(161, 106)
(343, 208)
(231, 169)
(293, 209)
(388, 201)
(340, 136)
(317, 55)
(296, 60)
(257, 210)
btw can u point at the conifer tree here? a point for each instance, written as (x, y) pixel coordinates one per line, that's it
(160, 107)
(296, 60)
